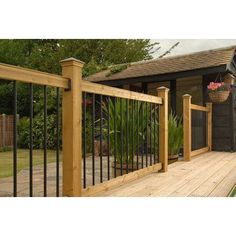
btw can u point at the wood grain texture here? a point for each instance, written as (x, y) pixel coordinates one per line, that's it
(116, 182)
(16, 73)
(187, 126)
(116, 92)
(199, 108)
(208, 175)
(199, 151)
(72, 129)
(209, 125)
(163, 127)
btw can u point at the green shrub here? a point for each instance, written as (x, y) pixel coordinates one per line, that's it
(38, 132)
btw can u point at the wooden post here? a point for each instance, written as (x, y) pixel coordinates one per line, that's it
(72, 128)
(3, 130)
(163, 130)
(209, 125)
(187, 126)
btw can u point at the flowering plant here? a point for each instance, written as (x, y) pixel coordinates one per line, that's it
(215, 87)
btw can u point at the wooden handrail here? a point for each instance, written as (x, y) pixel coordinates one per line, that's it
(16, 73)
(90, 87)
(199, 108)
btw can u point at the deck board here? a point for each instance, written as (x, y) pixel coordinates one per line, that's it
(210, 174)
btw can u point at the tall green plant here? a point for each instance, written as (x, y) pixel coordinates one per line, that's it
(131, 132)
(175, 133)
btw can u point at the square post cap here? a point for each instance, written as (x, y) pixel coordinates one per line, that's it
(72, 62)
(163, 89)
(187, 96)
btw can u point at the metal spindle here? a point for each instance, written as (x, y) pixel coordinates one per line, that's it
(158, 128)
(93, 138)
(155, 130)
(115, 135)
(150, 104)
(84, 139)
(127, 136)
(121, 137)
(58, 143)
(146, 136)
(137, 134)
(45, 140)
(142, 128)
(132, 104)
(101, 151)
(31, 142)
(15, 140)
(108, 138)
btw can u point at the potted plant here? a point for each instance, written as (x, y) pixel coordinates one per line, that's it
(218, 92)
(117, 117)
(175, 137)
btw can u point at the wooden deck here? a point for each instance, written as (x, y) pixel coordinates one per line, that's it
(211, 174)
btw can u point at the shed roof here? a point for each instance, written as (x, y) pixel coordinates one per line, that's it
(198, 60)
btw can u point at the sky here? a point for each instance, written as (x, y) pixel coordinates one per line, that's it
(191, 45)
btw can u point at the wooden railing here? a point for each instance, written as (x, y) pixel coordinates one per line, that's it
(72, 123)
(187, 122)
(73, 129)
(31, 78)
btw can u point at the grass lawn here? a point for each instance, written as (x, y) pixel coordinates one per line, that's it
(6, 160)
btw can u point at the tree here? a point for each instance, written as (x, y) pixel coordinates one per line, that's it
(45, 54)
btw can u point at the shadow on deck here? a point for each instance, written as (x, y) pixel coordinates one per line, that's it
(211, 174)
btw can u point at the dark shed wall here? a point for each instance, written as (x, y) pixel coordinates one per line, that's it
(222, 121)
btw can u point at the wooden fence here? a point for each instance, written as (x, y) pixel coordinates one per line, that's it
(187, 122)
(6, 131)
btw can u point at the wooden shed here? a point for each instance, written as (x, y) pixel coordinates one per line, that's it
(185, 74)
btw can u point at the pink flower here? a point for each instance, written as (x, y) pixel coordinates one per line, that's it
(214, 86)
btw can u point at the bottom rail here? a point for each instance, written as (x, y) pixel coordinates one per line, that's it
(199, 151)
(116, 182)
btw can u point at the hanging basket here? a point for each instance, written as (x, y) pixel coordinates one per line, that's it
(219, 96)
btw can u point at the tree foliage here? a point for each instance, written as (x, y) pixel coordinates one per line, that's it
(45, 54)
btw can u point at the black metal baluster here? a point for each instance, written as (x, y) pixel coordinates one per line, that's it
(108, 138)
(31, 142)
(45, 139)
(58, 144)
(115, 136)
(121, 136)
(142, 128)
(155, 130)
(93, 138)
(132, 134)
(146, 136)
(84, 139)
(150, 105)
(101, 151)
(15, 139)
(158, 137)
(127, 136)
(137, 135)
